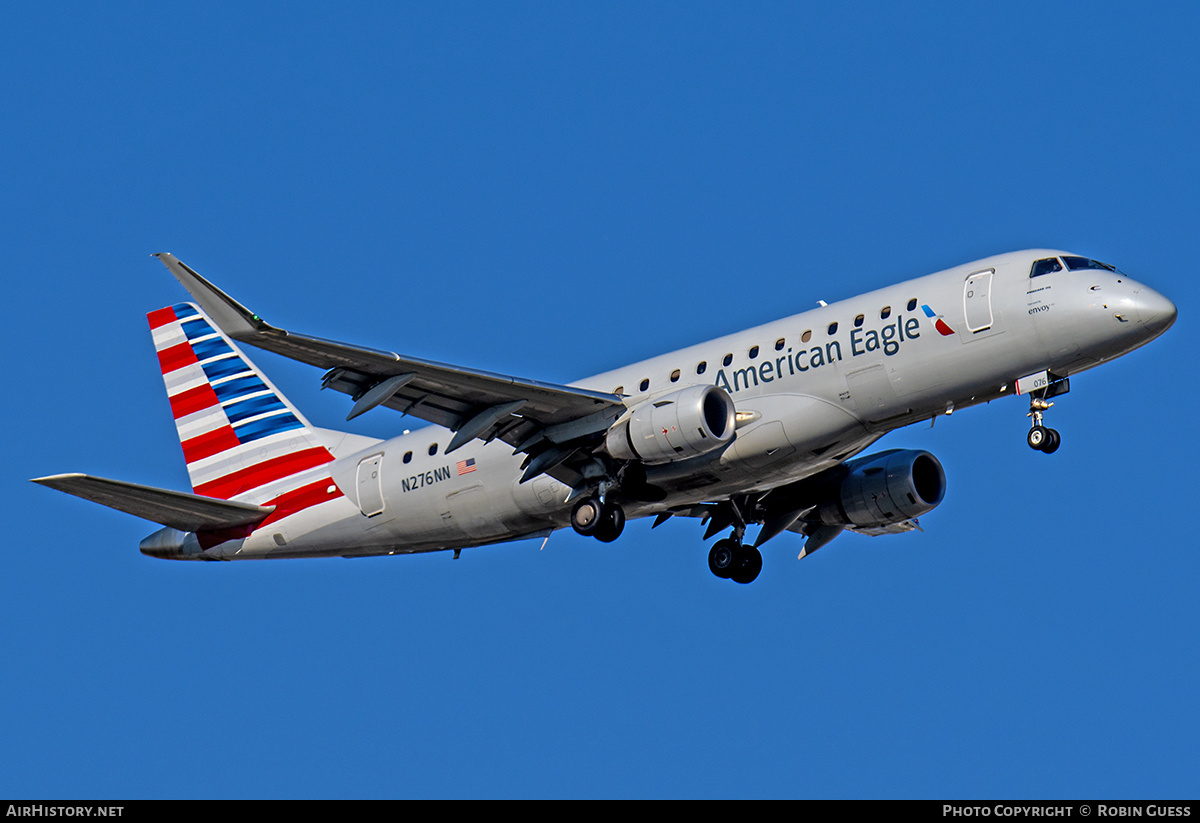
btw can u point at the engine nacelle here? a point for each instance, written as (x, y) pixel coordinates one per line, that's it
(885, 489)
(675, 426)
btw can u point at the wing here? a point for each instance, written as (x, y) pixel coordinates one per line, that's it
(556, 426)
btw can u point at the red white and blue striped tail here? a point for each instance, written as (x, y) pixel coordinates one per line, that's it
(241, 438)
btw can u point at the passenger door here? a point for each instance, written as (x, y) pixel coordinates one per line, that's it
(977, 301)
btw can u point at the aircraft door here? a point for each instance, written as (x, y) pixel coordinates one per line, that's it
(370, 485)
(977, 300)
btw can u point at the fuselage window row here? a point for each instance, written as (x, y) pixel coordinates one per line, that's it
(753, 352)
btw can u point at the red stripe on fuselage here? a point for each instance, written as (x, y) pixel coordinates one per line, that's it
(265, 472)
(209, 443)
(176, 357)
(193, 400)
(300, 499)
(161, 317)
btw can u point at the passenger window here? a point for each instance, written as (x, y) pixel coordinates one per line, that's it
(858, 321)
(728, 359)
(804, 338)
(912, 304)
(753, 352)
(408, 457)
(675, 376)
(1047, 265)
(645, 384)
(433, 450)
(885, 312)
(833, 328)
(702, 367)
(779, 344)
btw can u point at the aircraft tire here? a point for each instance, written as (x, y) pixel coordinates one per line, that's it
(1037, 438)
(749, 565)
(1053, 441)
(587, 516)
(612, 523)
(722, 558)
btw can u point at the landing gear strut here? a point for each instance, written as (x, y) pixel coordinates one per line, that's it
(1040, 437)
(603, 520)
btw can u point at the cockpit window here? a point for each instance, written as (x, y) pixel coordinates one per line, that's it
(1077, 263)
(1045, 266)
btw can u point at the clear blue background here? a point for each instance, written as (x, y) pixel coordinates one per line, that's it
(552, 190)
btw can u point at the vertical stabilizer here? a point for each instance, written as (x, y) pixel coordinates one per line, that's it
(241, 438)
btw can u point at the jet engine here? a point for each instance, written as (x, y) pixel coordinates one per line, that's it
(885, 489)
(675, 426)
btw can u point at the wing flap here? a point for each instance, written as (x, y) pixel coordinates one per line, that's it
(179, 510)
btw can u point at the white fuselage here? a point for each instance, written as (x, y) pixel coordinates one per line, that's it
(811, 390)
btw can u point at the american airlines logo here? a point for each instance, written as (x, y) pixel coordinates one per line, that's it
(938, 322)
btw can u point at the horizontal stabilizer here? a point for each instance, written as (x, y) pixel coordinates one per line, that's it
(179, 510)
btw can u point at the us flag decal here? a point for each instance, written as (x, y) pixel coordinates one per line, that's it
(465, 466)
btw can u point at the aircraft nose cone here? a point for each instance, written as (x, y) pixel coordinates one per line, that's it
(1155, 311)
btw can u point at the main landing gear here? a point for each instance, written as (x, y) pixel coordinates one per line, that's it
(1040, 437)
(731, 560)
(603, 520)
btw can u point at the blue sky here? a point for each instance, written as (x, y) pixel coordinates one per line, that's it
(552, 190)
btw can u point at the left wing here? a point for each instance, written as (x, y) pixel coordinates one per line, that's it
(556, 426)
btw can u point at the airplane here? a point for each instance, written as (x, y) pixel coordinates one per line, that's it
(761, 427)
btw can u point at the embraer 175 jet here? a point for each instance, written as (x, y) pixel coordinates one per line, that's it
(758, 427)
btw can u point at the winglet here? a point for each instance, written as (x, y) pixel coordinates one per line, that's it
(230, 316)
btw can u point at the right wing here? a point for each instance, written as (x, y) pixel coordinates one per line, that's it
(554, 425)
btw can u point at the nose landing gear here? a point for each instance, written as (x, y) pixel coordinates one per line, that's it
(1041, 387)
(1040, 437)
